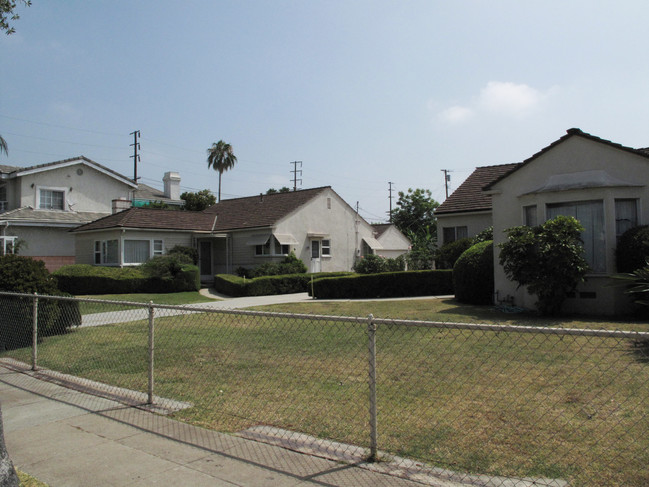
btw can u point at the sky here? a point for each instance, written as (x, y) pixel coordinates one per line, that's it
(362, 92)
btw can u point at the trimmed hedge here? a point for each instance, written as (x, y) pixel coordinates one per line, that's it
(385, 285)
(231, 285)
(473, 274)
(89, 279)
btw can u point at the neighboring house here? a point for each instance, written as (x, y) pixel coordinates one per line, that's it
(468, 210)
(40, 204)
(145, 194)
(393, 242)
(603, 184)
(315, 224)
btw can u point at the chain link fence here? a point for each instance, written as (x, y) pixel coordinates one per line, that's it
(438, 403)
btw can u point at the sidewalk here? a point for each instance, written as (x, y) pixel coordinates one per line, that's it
(69, 438)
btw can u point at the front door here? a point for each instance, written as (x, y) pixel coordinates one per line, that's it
(315, 255)
(205, 259)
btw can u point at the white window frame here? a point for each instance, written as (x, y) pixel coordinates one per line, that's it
(153, 251)
(64, 191)
(325, 247)
(271, 247)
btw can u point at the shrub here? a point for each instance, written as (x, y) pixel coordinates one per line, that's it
(448, 253)
(289, 265)
(190, 252)
(473, 274)
(372, 264)
(166, 266)
(632, 250)
(383, 285)
(26, 275)
(266, 285)
(548, 259)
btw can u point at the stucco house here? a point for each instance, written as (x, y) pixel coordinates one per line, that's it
(315, 224)
(40, 204)
(603, 184)
(467, 211)
(393, 242)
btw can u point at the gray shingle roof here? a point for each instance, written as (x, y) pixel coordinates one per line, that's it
(27, 214)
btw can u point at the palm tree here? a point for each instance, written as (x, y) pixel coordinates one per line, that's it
(221, 158)
(3, 146)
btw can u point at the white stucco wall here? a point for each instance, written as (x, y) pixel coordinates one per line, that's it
(394, 243)
(90, 191)
(574, 155)
(474, 221)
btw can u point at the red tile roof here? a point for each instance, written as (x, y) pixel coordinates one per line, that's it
(469, 196)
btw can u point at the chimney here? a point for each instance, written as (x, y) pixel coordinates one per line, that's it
(121, 204)
(172, 185)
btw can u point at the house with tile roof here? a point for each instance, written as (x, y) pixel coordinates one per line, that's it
(601, 183)
(467, 211)
(40, 204)
(315, 224)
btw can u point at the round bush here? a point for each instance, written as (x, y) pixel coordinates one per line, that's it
(473, 274)
(632, 250)
(448, 253)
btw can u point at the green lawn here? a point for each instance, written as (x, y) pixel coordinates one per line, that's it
(162, 298)
(483, 402)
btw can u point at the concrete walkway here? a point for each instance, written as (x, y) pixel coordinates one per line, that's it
(68, 438)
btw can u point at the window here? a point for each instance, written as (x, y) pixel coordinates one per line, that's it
(51, 199)
(328, 203)
(529, 216)
(626, 216)
(3, 197)
(136, 251)
(591, 216)
(158, 247)
(366, 249)
(272, 247)
(105, 252)
(451, 234)
(326, 248)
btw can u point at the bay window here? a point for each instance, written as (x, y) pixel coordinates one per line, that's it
(591, 216)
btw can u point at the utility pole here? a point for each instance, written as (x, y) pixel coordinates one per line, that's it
(135, 156)
(390, 183)
(447, 179)
(295, 171)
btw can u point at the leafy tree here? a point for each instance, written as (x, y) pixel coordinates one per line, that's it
(7, 13)
(283, 189)
(414, 217)
(221, 158)
(548, 259)
(198, 201)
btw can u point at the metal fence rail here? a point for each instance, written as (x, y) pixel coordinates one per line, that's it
(439, 402)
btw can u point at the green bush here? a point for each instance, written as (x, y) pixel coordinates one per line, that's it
(161, 276)
(372, 264)
(384, 285)
(448, 253)
(266, 285)
(473, 274)
(289, 265)
(190, 252)
(632, 249)
(548, 259)
(26, 275)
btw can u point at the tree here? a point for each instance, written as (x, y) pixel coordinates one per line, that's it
(3, 145)
(548, 259)
(283, 189)
(414, 217)
(198, 201)
(220, 158)
(7, 13)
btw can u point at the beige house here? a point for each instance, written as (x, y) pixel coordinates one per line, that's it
(603, 184)
(315, 224)
(393, 242)
(468, 210)
(40, 204)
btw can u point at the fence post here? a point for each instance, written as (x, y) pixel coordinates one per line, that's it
(371, 333)
(35, 332)
(151, 348)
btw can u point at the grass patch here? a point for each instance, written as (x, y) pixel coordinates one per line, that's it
(27, 480)
(162, 298)
(494, 403)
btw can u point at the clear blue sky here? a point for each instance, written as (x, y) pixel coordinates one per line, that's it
(362, 92)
